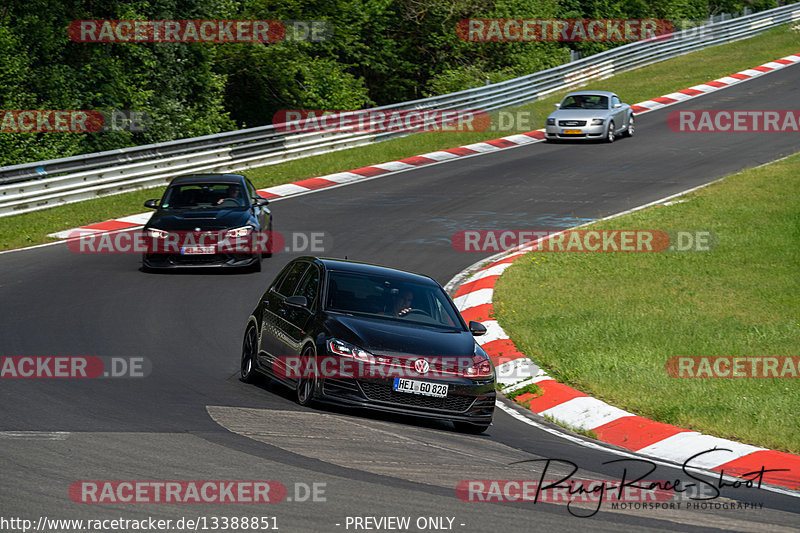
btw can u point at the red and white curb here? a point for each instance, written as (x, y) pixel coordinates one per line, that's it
(391, 167)
(473, 291)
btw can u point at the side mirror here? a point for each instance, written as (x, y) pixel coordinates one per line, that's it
(477, 328)
(557, 105)
(259, 201)
(296, 301)
(152, 204)
(617, 106)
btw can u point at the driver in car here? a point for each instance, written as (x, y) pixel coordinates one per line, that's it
(235, 194)
(402, 302)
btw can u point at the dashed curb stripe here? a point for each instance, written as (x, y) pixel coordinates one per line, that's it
(511, 141)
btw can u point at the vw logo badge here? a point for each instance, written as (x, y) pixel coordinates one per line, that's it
(421, 366)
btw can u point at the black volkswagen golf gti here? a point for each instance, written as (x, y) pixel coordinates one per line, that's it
(213, 220)
(371, 337)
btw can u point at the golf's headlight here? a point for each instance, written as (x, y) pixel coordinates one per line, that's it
(157, 233)
(244, 231)
(480, 366)
(598, 121)
(551, 122)
(348, 350)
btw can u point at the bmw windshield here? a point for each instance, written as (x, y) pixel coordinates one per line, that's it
(204, 196)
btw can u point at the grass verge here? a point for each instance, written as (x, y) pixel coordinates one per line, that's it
(635, 86)
(607, 323)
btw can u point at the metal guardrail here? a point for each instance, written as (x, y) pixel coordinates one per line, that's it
(34, 186)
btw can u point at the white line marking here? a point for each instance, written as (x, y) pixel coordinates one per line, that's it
(585, 412)
(474, 298)
(34, 435)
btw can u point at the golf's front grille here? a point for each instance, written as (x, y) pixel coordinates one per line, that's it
(383, 392)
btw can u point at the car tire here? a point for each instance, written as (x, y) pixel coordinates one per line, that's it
(611, 135)
(468, 427)
(631, 127)
(306, 386)
(247, 369)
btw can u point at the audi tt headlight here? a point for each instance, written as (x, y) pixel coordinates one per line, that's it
(244, 231)
(348, 350)
(598, 121)
(551, 122)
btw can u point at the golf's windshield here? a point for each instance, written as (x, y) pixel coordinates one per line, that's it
(391, 298)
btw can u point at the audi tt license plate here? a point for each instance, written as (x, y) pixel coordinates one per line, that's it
(425, 388)
(198, 250)
(572, 132)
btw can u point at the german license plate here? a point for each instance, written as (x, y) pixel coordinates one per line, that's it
(424, 388)
(198, 250)
(572, 132)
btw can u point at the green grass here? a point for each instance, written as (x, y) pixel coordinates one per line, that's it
(635, 86)
(531, 388)
(606, 323)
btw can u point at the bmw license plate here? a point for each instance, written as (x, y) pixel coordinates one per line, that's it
(572, 132)
(425, 388)
(198, 250)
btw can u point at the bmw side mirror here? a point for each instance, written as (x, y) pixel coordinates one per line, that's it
(152, 204)
(297, 301)
(477, 328)
(260, 202)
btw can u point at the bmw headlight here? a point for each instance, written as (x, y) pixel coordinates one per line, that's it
(157, 233)
(244, 231)
(598, 121)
